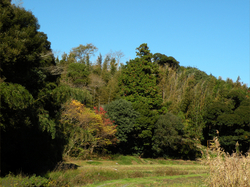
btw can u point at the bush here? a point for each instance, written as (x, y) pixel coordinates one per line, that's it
(123, 115)
(19, 180)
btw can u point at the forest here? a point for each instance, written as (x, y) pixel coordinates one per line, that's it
(151, 106)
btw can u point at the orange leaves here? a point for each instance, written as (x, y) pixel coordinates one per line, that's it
(96, 124)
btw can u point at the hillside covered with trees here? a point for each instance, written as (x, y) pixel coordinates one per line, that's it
(74, 107)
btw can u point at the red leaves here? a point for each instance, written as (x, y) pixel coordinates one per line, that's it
(102, 112)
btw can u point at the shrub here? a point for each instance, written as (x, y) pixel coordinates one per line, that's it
(20, 180)
(123, 115)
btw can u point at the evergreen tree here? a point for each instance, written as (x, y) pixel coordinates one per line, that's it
(78, 74)
(138, 80)
(29, 113)
(164, 60)
(168, 134)
(229, 120)
(144, 130)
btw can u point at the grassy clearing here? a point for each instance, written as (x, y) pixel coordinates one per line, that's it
(131, 171)
(94, 163)
(216, 169)
(178, 180)
(128, 171)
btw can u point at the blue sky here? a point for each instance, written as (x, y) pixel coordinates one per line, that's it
(211, 35)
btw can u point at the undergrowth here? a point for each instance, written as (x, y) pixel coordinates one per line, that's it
(24, 181)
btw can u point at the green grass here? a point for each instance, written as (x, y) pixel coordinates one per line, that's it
(128, 160)
(127, 171)
(178, 180)
(94, 163)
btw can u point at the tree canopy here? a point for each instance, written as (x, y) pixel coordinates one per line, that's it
(79, 107)
(138, 80)
(28, 111)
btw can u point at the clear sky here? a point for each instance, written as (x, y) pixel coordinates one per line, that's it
(211, 35)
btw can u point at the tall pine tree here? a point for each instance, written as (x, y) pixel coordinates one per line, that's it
(138, 80)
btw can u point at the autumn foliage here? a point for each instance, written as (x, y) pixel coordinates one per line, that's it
(103, 114)
(86, 129)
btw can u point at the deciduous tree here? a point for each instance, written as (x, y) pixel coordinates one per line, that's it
(82, 53)
(86, 129)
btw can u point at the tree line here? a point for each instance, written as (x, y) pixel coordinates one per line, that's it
(151, 106)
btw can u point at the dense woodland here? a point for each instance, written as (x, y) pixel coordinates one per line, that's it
(151, 106)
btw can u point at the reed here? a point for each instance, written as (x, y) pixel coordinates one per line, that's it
(225, 169)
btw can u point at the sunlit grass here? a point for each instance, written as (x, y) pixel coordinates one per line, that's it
(132, 171)
(128, 168)
(172, 181)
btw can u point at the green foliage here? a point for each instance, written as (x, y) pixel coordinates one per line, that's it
(15, 96)
(79, 74)
(106, 75)
(138, 80)
(144, 129)
(163, 60)
(237, 97)
(82, 53)
(144, 52)
(113, 66)
(64, 92)
(230, 119)
(198, 74)
(168, 135)
(124, 117)
(32, 94)
(111, 91)
(98, 69)
(23, 49)
(29, 114)
(34, 180)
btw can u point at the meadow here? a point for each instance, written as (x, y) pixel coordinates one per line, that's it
(216, 169)
(118, 171)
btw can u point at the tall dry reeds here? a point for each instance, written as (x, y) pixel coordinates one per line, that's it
(225, 169)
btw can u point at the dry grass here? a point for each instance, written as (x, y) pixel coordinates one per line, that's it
(225, 169)
(90, 175)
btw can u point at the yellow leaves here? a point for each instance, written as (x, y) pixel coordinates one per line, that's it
(75, 115)
(75, 102)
